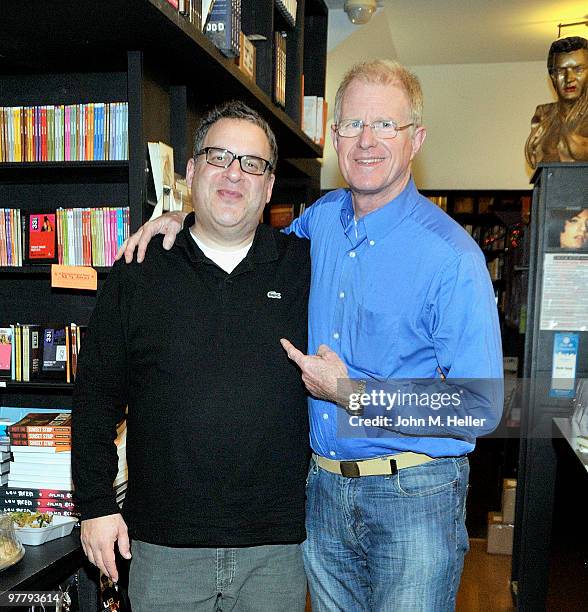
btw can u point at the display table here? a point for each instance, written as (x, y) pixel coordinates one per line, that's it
(44, 567)
(569, 431)
(568, 575)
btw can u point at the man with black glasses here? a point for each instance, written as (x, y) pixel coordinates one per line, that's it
(217, 442)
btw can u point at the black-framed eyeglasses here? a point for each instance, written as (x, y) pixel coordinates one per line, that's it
(223, 158)
(383, 128)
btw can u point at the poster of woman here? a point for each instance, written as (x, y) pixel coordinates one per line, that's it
(568, 229)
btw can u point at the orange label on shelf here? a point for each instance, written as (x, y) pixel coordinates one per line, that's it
(74, 277)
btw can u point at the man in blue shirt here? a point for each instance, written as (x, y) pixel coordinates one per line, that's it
(400, 295)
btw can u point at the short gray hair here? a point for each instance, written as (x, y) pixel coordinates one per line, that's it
(384, 72)
(234, 110)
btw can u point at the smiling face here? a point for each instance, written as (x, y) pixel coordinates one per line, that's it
(376, 170)
(575, 233)
(227, 201)
(569, 74)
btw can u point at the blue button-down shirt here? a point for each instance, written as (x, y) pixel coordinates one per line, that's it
(396, 294)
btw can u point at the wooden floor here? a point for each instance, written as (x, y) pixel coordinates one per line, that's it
(485, 582)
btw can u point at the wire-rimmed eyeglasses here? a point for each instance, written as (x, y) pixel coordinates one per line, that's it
(223, 158)
(383, 128)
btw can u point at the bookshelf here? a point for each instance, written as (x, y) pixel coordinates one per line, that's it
(498, 221)
(148, 55)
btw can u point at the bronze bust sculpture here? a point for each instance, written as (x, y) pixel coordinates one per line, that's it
(559, 131)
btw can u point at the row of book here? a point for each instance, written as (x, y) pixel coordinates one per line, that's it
(91, 236)
(95, 131)
(288, 10)
(314, 118)
(280, 68)
(35, 454)
(221, 22)
(488, 237)
(68, 236)
(29, 352)
(190, 9)
(11, 237)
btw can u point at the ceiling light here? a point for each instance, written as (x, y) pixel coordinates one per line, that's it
(360, 11)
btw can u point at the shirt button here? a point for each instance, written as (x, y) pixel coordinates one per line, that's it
(336, 336)
(332, 453)
(352, 254)
(372, 242)
(325, 416)
(342, 294)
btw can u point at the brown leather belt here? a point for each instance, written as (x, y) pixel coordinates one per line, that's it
(379, 466)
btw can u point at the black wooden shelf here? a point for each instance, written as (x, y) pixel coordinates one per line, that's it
(36, 385)
(109, 28)
(65, 172)
(44, 271)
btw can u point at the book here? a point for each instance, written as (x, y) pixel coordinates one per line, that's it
(40, 238)
(28, 436)
(54, 361)
(52, 449)
(26, 493)
(21, 469)
(222, 24)
(39, 482)
(10, 507)
(47, 422)
(5, 351)
(57, 444)
(37, 504)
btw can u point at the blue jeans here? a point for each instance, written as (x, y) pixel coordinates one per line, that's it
(254, 579)
(387, 543)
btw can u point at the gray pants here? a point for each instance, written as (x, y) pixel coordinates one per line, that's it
(253, 579)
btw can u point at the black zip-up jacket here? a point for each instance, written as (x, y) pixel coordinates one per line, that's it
(217, 440)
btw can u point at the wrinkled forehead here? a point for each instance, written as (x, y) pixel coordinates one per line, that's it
(572, 58)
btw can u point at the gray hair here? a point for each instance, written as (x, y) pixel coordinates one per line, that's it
(384, 72)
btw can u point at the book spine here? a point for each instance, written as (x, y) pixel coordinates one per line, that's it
(13, 493)
(50, 443)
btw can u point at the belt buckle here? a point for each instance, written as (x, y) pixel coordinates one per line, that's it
(349, 469)
(393, 467)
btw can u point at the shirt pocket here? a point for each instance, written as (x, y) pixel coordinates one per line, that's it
(375, 343)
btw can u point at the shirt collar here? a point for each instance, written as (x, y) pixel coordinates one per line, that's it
(381, 221)
(263, 249)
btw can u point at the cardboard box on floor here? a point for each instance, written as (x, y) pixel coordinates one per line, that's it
(499, 535)
(509, 491)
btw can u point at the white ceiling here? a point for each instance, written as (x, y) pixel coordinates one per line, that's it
(429, 32)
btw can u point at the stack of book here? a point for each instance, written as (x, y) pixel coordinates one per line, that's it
(39, 479)
(40, 473)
